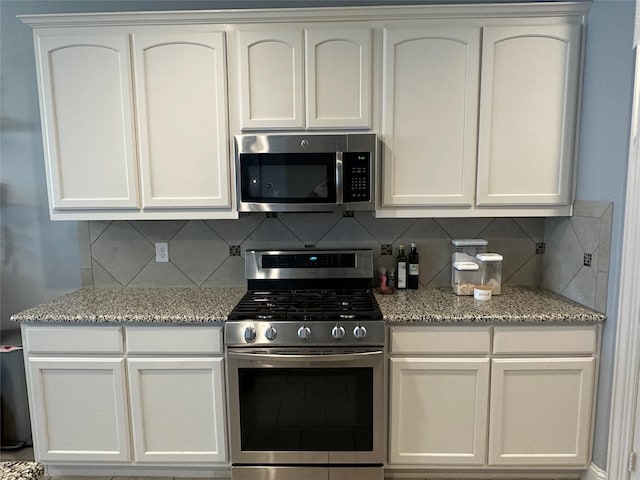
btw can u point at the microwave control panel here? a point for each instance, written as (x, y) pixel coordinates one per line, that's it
(357, 176)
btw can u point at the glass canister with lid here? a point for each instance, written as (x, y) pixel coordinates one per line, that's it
(465, 277)
(491, 271)
(465, 250)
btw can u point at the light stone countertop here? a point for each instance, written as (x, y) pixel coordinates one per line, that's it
(514, 305)
(155, 305)
(213, 305)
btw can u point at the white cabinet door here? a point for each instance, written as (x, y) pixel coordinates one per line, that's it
(338, 77)
(528, 114)
(438, 409)
(87, 119)
(429, 105)
(271, 79)
(177, 410)
(181, 97)
(541, 411)
(79, 409)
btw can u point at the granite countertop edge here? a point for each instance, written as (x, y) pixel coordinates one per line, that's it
(189, 306)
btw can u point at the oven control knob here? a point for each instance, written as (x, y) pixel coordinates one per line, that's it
(249, 334)
(337, 332)
(271, 333)
(304, 333)
(359, 332)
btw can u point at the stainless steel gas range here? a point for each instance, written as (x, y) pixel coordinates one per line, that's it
(305, 368)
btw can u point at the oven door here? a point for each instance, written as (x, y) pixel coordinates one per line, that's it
(289, 181)
(323, 407)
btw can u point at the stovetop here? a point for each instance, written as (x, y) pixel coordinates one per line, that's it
(300, 297)
(307, 305)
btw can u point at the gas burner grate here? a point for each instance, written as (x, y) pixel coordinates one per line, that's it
(307, 305)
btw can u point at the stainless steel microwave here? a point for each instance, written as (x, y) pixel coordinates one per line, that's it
(305, 173)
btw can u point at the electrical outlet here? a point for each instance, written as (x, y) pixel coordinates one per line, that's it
(162, 252)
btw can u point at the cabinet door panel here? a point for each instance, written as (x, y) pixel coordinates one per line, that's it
(430, 107)
(338, 78)
(177, 410)
(541, 411)
(271, 72)
(79, 409)
(182, 103)
(528, 114)
(87, 120)
(438, 411)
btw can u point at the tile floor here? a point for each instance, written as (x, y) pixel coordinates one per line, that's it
(27, 454)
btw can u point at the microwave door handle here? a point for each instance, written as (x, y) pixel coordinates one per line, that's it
(339, 178)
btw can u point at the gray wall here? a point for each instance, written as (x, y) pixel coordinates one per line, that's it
(40, 259)
(602, 173)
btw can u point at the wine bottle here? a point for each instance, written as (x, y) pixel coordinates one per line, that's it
(413, 268)
(401, 270)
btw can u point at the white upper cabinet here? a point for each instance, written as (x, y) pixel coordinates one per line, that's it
(476, 105)
(135, 122)
(528, 112)
(295, 78)
(86, 105)
(181, 95)
(338, 77)
(481, 127)
(430, 104)
(271, 73)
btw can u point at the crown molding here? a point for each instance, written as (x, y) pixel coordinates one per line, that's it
(309, 15)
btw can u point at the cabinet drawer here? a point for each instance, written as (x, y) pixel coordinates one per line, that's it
(545, 340)
(440, 340)
(174, 340)
(73, 340)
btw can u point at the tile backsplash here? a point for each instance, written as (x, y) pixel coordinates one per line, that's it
(576, 262)
(211, 253)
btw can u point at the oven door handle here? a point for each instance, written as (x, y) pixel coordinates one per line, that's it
(285, 357)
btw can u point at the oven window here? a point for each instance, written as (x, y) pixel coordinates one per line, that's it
(298, 178)
(306, 409)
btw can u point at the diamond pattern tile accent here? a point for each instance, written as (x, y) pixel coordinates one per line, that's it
(102, 278)
(271, 234)
(97, 227)
(385, 230)
(386, 249)
(158, 231)
(310, 228)
(234, 232)
(562, 259)
(348, 233)
(122, 251)
(506, 237)
(229, 274)
(159, 274)
(206, 253)
(197, 251)
(464, 227)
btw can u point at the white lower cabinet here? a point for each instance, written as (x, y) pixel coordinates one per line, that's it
(438, 410)
(176, 409)
(78, 409)
(540, 411)
(156, 399)
(525, 403)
